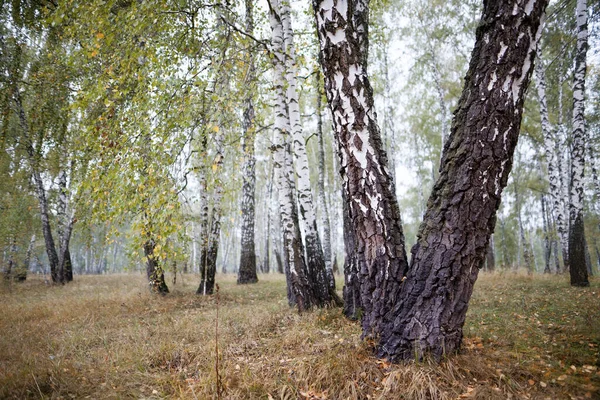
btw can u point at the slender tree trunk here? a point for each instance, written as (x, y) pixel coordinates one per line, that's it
(547, 241)
(490, 258)
(527, 257)
(11, 263)
(431, 308)
(247, 269)
(40, 191)
(270, 233)
(577, 248)
(323, 202)
(21, 273)
(554, 178)
(367, 181)
(209, 253)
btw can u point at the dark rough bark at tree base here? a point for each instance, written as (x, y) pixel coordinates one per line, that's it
(577, 263)
(452, 241)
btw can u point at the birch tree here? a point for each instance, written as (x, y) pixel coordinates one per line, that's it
(429, 306)
(367, 182)
(314, 252)
(577, 247)
(247, 269)
(551, 156)
(300, 290)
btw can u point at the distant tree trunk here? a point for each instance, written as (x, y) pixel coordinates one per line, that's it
(247, 268)
(154, 273)
(577, 246)
(367, 181)
(527, 256)
(270, 233)
(554, 178)
(490, 258)
(547, 241)
(11, 263)
(461, 214)
(21, 273)
(323, 202)
(279, 262)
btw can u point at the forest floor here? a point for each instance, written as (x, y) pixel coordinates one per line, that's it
(107, 337)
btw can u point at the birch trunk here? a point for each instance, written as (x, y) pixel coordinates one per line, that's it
(366, 179)
(39, 189)
(554, 178)
(322, 200)
(11, 263)
(314, 252)
(21, 273)
(300, 290)
(65, 227)
(210, 252)
(454, 235)
(546, 231)
(247, 268)
(577, 248)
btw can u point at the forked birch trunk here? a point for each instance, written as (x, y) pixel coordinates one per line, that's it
(461, 213)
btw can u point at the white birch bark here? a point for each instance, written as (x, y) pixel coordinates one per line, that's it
(314, 252)
(298, 287)
(554, 178)
(577, 247)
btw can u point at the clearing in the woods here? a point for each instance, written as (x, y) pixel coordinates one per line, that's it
(107, 337)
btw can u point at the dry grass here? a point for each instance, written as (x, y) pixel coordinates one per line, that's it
(106, 337)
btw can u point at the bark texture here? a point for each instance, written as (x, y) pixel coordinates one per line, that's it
(366, 180)
(461, 213)
(577, 248)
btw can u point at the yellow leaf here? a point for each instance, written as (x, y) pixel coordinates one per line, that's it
(93, 53)
(216, 128)
(99, 35)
